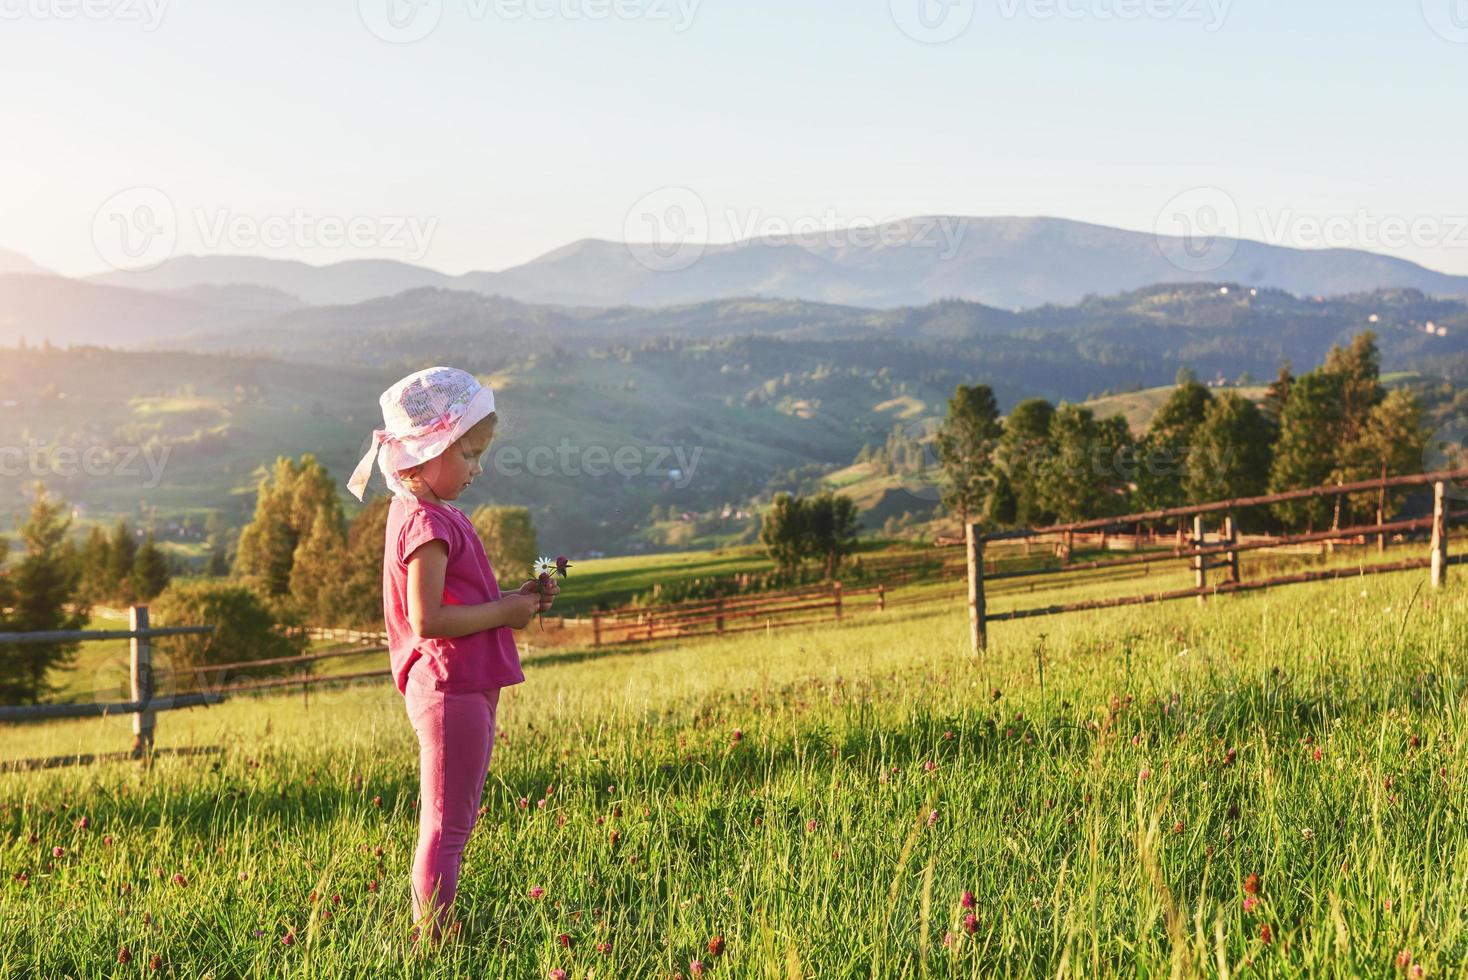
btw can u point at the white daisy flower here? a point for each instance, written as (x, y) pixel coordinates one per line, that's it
(543, 564)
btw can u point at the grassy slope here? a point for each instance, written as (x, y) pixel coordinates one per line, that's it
(1098, 819)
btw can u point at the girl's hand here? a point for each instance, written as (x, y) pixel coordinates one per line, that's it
(520, 609)
(552, 590)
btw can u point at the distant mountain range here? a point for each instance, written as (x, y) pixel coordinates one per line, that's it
(1005, 262)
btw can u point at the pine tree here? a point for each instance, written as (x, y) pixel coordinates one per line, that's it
(1305, 455)
(783, 531)
(1023, 451)
(1163, 466)
(122, 551)
(966, 444)
(1231, 453)
(297, 505)
(1391, 443)
(1084, 477)
(95, 574)
(150, 573)
(1275, 397)
(43, 594)
(830, 529)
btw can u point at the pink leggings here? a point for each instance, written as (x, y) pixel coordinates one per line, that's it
(455, 738)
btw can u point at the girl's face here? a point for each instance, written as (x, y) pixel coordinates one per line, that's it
(450, 473)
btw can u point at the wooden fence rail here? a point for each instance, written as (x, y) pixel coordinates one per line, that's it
(1198, 550)
(143, 706)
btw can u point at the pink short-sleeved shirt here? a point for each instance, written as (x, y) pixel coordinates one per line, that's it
(477, 662)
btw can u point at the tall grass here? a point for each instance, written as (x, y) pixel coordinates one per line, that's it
(821, 798)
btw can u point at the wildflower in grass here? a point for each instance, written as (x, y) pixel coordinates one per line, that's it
(377, 801)
(613, 837)
(372, 886)
(1388, 905)
(180, 880)
(811, 825)
(565, 940)
(604, 948)
(948, 939)
(929, 766)
(967, 900)
(971, 923)
(289, 939)
(716, 946)
(244, 876)
(124, 955)
(156, 963)
(1250, 903)
(1251, 884)
(1266, 935)
(106, 840)
(1404, 959)
(524, 803)
(1307, 833)
(1144, 774)
(557, 974)
(84, 823)
(932, 818)
(738, 734)
(58, 851)
(1417, 972)
(1316, 755)
(948, 735)
(537, 892)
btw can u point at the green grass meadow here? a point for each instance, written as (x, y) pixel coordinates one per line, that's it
(1107, 785)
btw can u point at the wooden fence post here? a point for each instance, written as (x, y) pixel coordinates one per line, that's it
(978, 638)
(596, 629)
(1231, 533)
(719, 614)
(1200, 562)
(1439, 534)
(881, 597)
(836, 595)
(141, 673)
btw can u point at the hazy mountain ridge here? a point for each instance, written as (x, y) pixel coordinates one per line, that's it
(1007, 262)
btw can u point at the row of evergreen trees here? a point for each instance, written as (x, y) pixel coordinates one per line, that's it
(312, 565)
(1045, 464)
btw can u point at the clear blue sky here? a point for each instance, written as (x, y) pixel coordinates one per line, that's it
(516, 135)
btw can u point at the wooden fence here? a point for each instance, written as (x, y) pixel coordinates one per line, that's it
(731, 614)
(143, 706)
(1203, 556)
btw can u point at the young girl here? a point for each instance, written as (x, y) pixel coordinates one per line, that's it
(448, 624)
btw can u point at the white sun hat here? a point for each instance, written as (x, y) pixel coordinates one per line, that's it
(423, 415)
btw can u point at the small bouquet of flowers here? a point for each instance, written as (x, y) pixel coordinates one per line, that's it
(543, 570)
